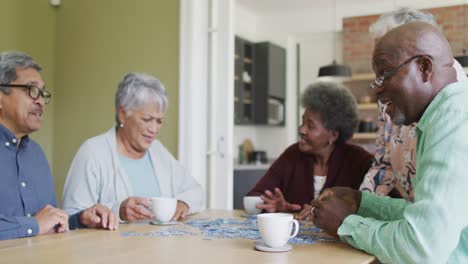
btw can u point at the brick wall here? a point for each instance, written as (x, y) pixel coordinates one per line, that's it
(358, 45)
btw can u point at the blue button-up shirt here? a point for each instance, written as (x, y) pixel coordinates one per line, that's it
(26, 186)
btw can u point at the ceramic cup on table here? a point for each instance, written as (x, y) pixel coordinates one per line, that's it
(275, 228)
(163, 208)
(250, 203)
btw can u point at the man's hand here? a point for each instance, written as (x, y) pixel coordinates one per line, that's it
(135, 208)
(98, 216)
(275, 202)
(304, 214)
(350, 196)
(333, 206)
(51, 219)
(181, 211)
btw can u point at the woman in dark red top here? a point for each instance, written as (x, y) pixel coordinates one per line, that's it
(322, 158)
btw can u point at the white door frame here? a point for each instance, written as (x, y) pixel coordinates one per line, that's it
(206, 96)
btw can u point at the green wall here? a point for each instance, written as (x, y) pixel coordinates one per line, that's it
(98, 41)
(85, 47)
(29, 26)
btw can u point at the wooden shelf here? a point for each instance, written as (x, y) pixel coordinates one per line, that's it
(364, 136)
(371, 106)
(363, 77)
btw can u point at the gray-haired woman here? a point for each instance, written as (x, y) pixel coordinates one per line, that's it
(125, 166)
(321, 159)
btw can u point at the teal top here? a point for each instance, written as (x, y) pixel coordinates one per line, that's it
(433, 229)
(141, 175)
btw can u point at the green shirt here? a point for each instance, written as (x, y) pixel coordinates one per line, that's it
(433, 229)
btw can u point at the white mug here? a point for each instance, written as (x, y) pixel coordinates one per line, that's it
(250, 203)
(275, 228)
(163, 209)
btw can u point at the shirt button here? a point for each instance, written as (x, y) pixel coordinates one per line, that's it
(13, 140)
(29, 231)
(23, 184)
(7, 144)
(28, 215)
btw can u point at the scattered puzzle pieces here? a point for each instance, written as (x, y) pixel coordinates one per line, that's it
(232, 229)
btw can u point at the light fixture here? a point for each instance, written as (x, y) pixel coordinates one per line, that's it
(54, 3)
(334, 70)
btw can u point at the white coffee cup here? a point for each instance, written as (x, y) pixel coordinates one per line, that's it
(275, 228)
(250, 203)
(163, 208)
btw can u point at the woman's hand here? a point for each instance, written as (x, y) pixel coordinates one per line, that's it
(135, 208)
(98, 216)
(181, 211)
(275, 202)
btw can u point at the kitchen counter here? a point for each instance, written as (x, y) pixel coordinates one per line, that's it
(252, 166)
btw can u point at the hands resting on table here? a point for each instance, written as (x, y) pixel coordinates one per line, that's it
(51, 219)
(327, 212)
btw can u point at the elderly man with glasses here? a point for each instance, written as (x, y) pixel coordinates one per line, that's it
(394, 167)
(414, 66)
(27, 197)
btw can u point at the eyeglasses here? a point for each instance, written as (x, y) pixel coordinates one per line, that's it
(378, 82)
(33, 90)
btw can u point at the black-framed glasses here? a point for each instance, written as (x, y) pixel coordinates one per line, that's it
(33, 91)
(378, 82)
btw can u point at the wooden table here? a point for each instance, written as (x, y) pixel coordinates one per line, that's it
(100, 246)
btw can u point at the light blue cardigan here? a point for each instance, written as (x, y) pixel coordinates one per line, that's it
(96, 176)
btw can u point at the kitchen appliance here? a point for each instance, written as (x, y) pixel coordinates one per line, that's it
(275, 111)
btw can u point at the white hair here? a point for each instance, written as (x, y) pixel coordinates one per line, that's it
(137, 90)
(402, 15)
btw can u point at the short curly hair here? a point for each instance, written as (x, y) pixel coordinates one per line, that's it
(336, 106)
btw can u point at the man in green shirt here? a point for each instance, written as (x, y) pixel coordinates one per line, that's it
(415, 78)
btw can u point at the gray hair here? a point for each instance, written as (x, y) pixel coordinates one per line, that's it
(9, 61)
(336, 106)
(137, 90)
(402, 15)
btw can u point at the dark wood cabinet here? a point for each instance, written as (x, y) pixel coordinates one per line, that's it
(270, 84)
(243, 75)
(260, 83)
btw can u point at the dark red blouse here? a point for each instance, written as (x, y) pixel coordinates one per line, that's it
(293, 172)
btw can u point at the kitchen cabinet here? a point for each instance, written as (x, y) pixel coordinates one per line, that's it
(270, 84)
(243, 75)
(259, 83)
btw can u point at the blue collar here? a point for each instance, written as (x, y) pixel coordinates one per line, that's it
(7, 137)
